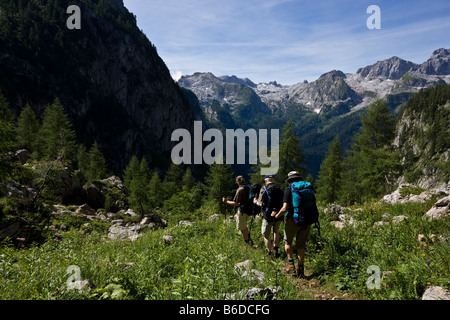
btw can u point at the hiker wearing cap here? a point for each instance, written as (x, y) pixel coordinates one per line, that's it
(292, 229)
(241, 199)
(271, 200)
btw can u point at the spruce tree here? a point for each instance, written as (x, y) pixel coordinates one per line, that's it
(97, 164)
(372, 164)
(7, 133)
(56, 138)
(330, 175)
(83, 160)
(155, 191)
(188, 181)
(131, 171)
(172, 181)
(290, 154)
(139, 193)
(27, 129)
(219, 180)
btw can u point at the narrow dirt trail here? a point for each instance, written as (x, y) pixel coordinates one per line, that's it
(314, 290)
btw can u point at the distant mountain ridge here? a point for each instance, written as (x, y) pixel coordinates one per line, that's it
(333, 89)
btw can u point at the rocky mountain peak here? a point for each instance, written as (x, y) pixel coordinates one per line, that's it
(233, 79)
(438, 63)
(393, 68)
(332, 74)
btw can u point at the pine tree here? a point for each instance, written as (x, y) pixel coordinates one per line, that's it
(131, 171)
(330, 175)
(188, 181)
(27, 129)
(56, 138)
(7, 133)
(139, 192)
(154, 191)
(371, 165)
(5, 113)
(83, 160)
(219, 180)
(97, 164)
(172, 181)
(290, 154)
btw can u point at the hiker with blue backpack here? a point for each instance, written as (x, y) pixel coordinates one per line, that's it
(299, 204)
(270, 200)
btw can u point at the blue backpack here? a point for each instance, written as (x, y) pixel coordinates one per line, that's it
(304, 209)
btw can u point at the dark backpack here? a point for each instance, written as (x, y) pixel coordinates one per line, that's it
(305, 210)
(249, 207)
(272, 200)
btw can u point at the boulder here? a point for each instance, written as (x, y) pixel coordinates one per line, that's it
(335, 209)
(95, 196)
(254, 275)
(85, 209)
(443, 202)
(244, 265)
(436, 293)
(380, 223)
(213, 217)
(440, 209)
(338, 224)
(130, 213)
(119, 232)
(115, 182)
(398, 219)
(22, 194)
(436, 213)
(184, 223)
(168, 238)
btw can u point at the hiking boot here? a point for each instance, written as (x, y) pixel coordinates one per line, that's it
(300, 271)
(290, 268)
(276, 254)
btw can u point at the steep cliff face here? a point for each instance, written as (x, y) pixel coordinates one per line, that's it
(114, 86)
(423, 137)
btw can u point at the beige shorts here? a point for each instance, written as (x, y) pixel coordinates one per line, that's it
(268, 228)
(301, 234)
(241, 220)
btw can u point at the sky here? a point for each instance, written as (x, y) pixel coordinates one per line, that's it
(289, 41)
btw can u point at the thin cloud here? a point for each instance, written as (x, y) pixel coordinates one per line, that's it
(290, 40)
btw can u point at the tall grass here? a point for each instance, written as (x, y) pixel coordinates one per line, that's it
(199, 263)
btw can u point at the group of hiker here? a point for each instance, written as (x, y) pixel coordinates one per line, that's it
(296, 205)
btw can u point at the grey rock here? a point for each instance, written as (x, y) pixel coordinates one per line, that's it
(338, 224)
(436, 293)
(398, 219)
(119, 232)
(85, 209)
(168, 238)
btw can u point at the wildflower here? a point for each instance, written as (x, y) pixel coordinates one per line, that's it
(53, 228)
(63, 227)
(428, 262)
(423, 254)
(20, 239)
(56, 240)
(57, 235)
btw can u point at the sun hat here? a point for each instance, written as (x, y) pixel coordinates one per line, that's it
(292, 175)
